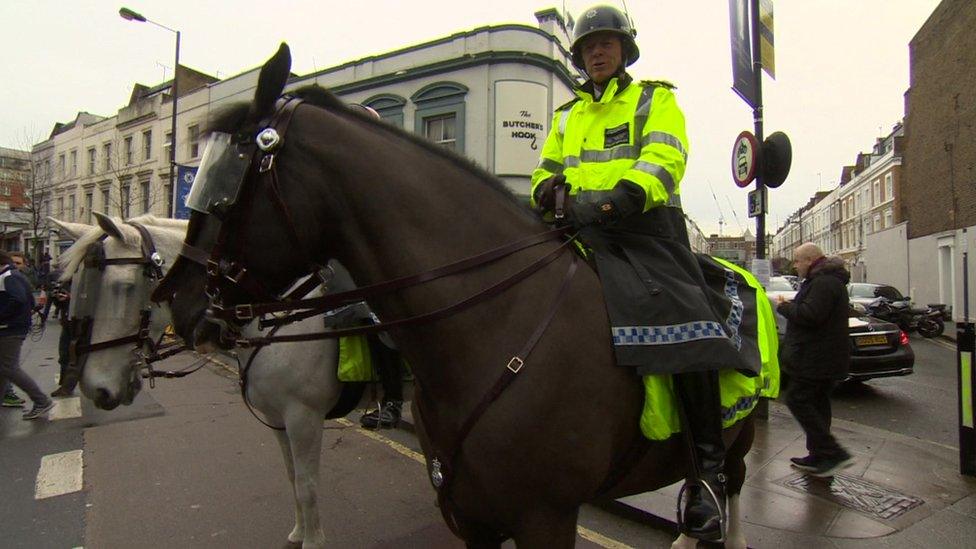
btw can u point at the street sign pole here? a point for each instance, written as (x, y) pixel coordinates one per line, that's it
(757, 117)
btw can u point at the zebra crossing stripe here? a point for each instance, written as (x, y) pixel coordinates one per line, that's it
(65, 408)
(59, 474)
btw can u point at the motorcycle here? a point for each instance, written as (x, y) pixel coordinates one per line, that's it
(928, 322)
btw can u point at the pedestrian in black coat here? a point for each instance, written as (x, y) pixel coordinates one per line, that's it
(816, 354)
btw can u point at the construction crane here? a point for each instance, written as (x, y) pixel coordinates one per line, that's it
(721, 218)
(734, 215)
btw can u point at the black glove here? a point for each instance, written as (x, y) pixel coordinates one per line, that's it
(606, 207)
(545, 193)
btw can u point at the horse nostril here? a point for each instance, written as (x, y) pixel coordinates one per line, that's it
(102, 395)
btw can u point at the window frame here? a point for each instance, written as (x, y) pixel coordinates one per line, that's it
(437, 100)
(147, 144)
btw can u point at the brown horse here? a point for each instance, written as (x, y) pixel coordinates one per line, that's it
(387, 205)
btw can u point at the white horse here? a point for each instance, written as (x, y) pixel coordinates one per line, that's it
(293, 386)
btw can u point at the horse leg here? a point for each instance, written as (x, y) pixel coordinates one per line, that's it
(547, 528)
(304, 426)
(298, 531)
(735, 538)
(735, 469)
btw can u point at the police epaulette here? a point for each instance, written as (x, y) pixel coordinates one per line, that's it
(661, 83)
(567, 104)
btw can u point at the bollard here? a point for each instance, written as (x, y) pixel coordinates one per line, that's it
(965, 346)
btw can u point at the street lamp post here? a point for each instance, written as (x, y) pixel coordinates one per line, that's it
(130, 15)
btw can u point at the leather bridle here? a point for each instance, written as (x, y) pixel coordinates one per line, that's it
(146, 349)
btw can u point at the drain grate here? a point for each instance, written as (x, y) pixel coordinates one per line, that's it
(855, 493)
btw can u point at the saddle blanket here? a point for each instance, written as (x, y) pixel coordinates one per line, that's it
(739, 392)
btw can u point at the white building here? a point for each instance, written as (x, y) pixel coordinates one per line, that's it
(488, 93)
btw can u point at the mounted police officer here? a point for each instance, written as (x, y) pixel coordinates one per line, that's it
(619, 149)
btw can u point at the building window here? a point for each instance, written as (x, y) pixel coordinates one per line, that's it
(89, 203)
(107, 161)
(71, 207)
(74, 163)
(144, 185)
(60, 207)
(168, 194)
(889, 187)
(47, 208)
(876, 193)
(440, 114)
(167, 143)
(106, 201)
(147, 144)
(193, 140)
(61, 165)
(47, 168)
(877, 222)
(442, 129)
(889, 218)
(125, 193)
(389, 107)
(91, 161)
(127, 150)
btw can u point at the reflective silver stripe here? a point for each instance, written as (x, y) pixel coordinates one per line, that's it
(658, 172)
(643, 109)
(674, 200)
(551, 166)
(571, 162)
(563, 118)
(628, 152)
(665, 138)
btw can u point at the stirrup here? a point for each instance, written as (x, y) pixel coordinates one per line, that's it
(722, 515)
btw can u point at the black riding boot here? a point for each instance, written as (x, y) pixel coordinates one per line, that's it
(701, 415)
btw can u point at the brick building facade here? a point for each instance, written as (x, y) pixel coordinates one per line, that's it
(940, 125)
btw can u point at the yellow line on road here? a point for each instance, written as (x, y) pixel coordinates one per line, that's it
(600, 539)
(585, 533)
(416, 456)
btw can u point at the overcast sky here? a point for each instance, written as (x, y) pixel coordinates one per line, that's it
(841, 68)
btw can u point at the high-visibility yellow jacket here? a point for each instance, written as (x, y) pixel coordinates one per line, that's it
(634, 132)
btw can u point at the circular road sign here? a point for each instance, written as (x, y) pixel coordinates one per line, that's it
(745, 158)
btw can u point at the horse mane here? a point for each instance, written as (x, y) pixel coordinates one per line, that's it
(70, 259)
(232, 118)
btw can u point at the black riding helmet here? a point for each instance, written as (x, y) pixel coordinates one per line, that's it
(605, 18)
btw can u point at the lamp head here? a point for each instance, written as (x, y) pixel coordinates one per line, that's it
(130, 15)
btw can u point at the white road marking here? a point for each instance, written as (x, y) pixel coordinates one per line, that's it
(65, 408)
(59, 474)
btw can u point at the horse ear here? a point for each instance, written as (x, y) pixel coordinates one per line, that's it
(109, 226)
(271, 82)
(73, 230)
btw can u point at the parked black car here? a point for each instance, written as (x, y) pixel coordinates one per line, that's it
(878, 349)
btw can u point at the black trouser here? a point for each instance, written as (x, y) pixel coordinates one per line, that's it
(809, 402)
(386, 362)
(701, 404)
(68, 378)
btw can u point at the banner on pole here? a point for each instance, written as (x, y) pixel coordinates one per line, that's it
(767, 55)
(184, 180)
(743, 75)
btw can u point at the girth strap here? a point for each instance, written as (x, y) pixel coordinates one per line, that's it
(443, 474)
